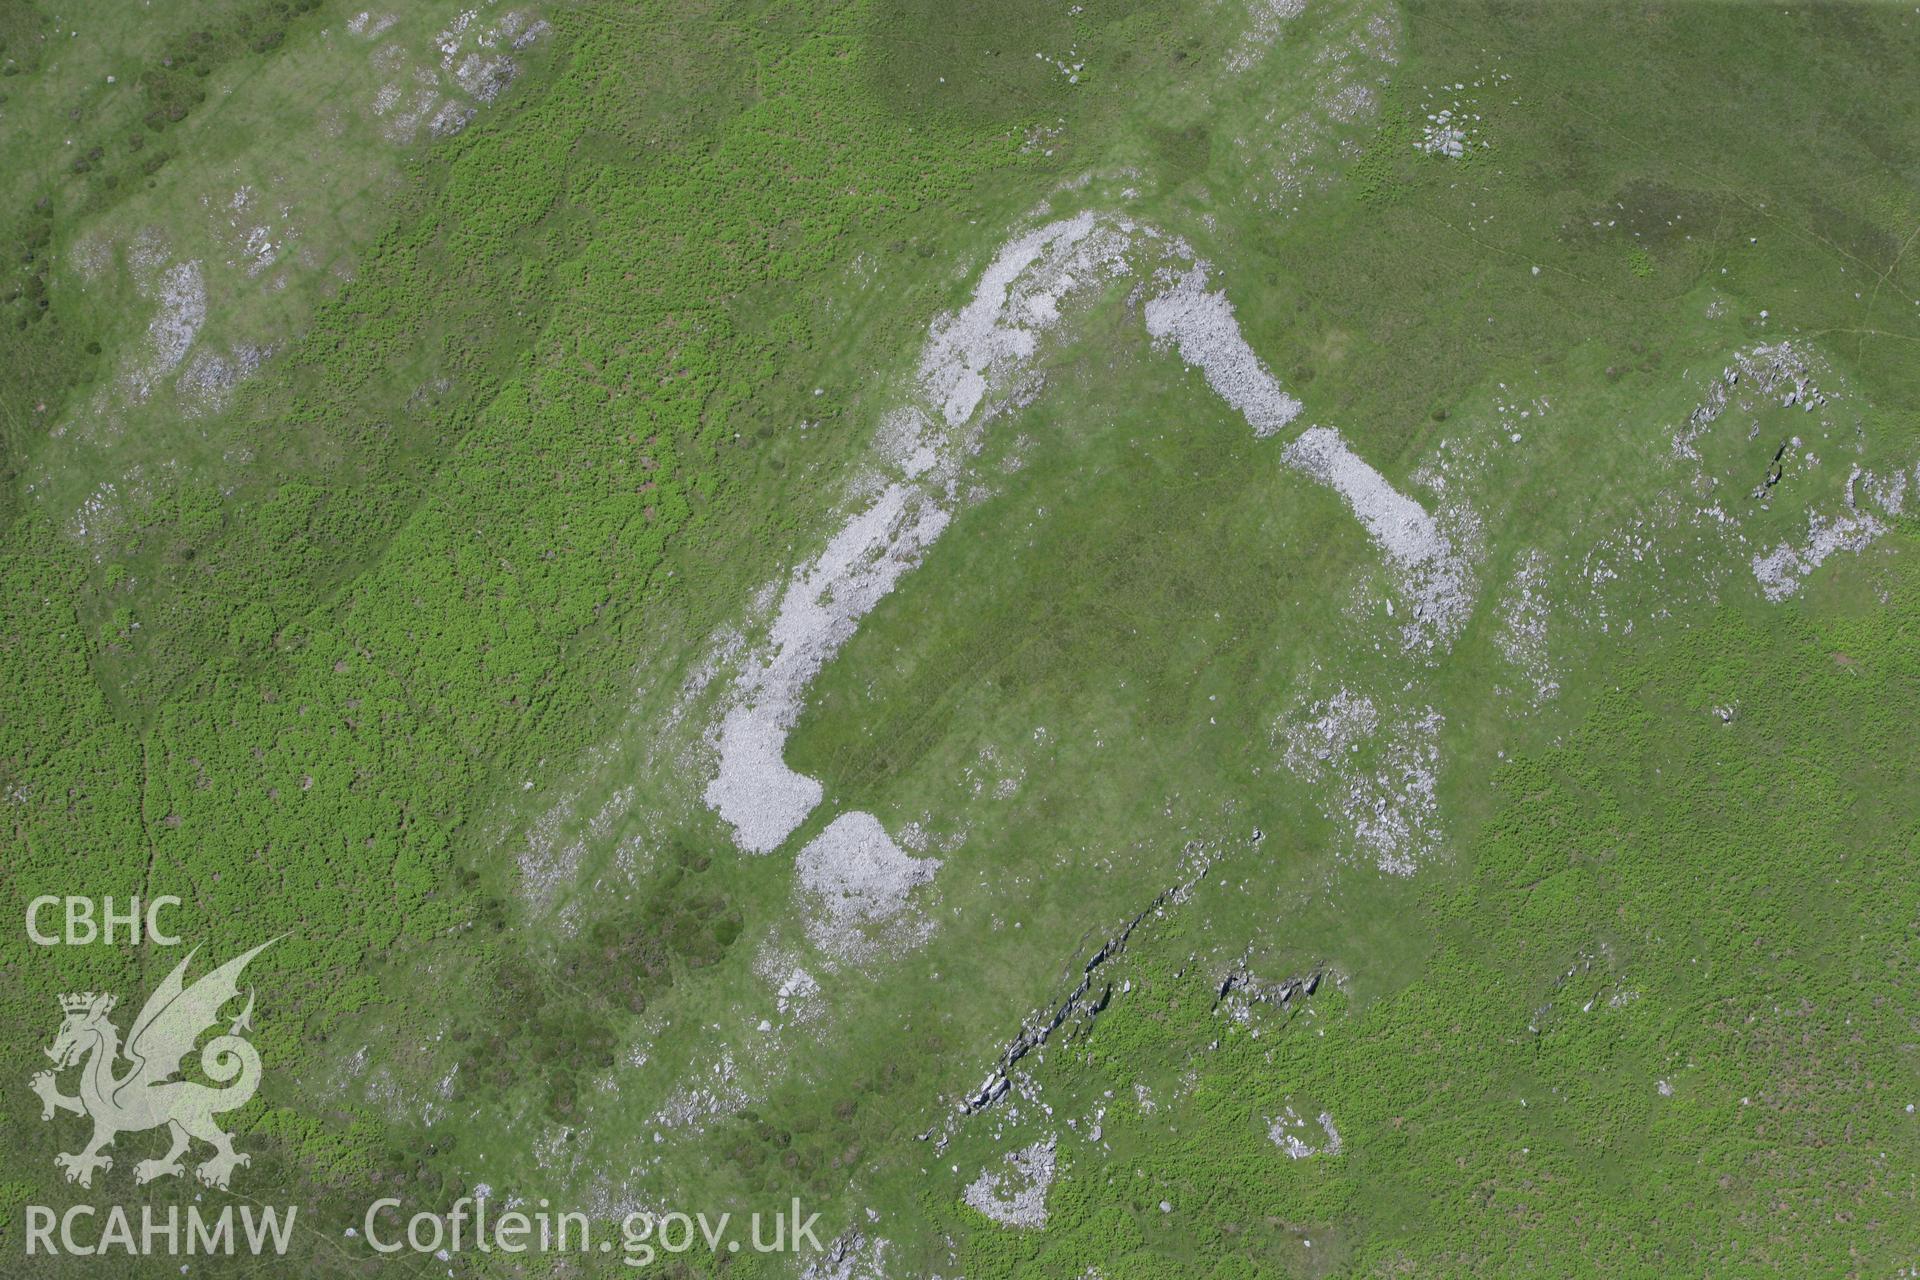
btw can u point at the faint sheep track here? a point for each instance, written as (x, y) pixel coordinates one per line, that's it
(974, 367)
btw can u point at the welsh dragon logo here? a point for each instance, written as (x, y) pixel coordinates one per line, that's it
(146, 1095)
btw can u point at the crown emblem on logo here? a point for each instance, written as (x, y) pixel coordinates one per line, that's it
(138, 1085)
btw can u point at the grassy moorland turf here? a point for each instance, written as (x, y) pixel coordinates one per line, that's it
(385, 654)
(1654, 901)
(574, 341)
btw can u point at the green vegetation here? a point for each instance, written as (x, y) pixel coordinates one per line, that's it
(1661, 1029)
(377, 615)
